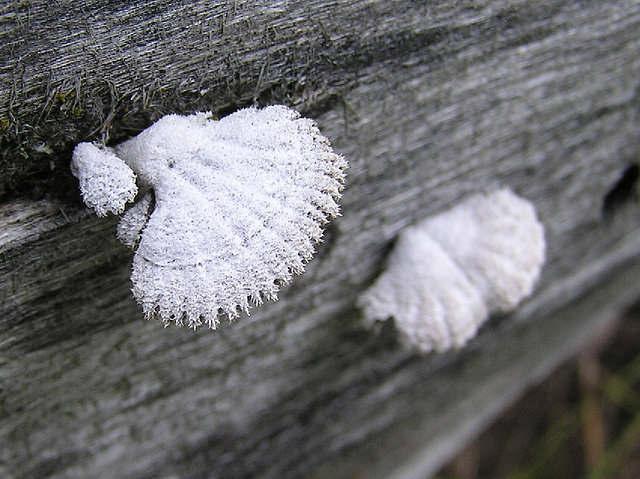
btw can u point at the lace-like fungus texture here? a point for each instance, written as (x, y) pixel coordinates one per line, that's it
(448, 273)
(106, 182)
(230, 209)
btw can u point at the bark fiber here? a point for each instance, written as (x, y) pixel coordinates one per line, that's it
(429, 101)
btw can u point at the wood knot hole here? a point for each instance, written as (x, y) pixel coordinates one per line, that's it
(622, 191)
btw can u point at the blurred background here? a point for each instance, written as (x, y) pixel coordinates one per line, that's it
(582, 421)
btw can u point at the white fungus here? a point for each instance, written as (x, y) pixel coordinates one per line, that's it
(449, 272)
(106, 182)
(231, 208)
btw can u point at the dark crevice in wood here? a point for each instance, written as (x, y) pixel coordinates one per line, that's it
(623, 191)
(97, 109)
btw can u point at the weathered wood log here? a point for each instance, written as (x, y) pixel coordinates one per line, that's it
(430, 102)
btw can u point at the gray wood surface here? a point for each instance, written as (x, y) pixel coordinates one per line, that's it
(429, 101)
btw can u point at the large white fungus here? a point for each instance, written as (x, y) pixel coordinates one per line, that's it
(448, 273)
(231, 208)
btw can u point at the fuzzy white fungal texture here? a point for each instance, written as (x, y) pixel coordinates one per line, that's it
(236, 208)
(106, 182)
(134, 220)
(449, 272)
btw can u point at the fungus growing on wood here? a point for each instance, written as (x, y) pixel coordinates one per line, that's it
(106, 182)
(230, 209)
(449, 272)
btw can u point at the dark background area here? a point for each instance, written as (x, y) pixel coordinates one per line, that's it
(582, 421)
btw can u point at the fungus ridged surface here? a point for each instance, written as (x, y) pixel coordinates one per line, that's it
(448, 273)
(229, 210)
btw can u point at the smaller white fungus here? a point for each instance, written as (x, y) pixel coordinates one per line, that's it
(449, 272)
(231, 210)
(134, 220)
(106, 182)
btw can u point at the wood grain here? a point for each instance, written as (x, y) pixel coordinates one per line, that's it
(430, 102)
